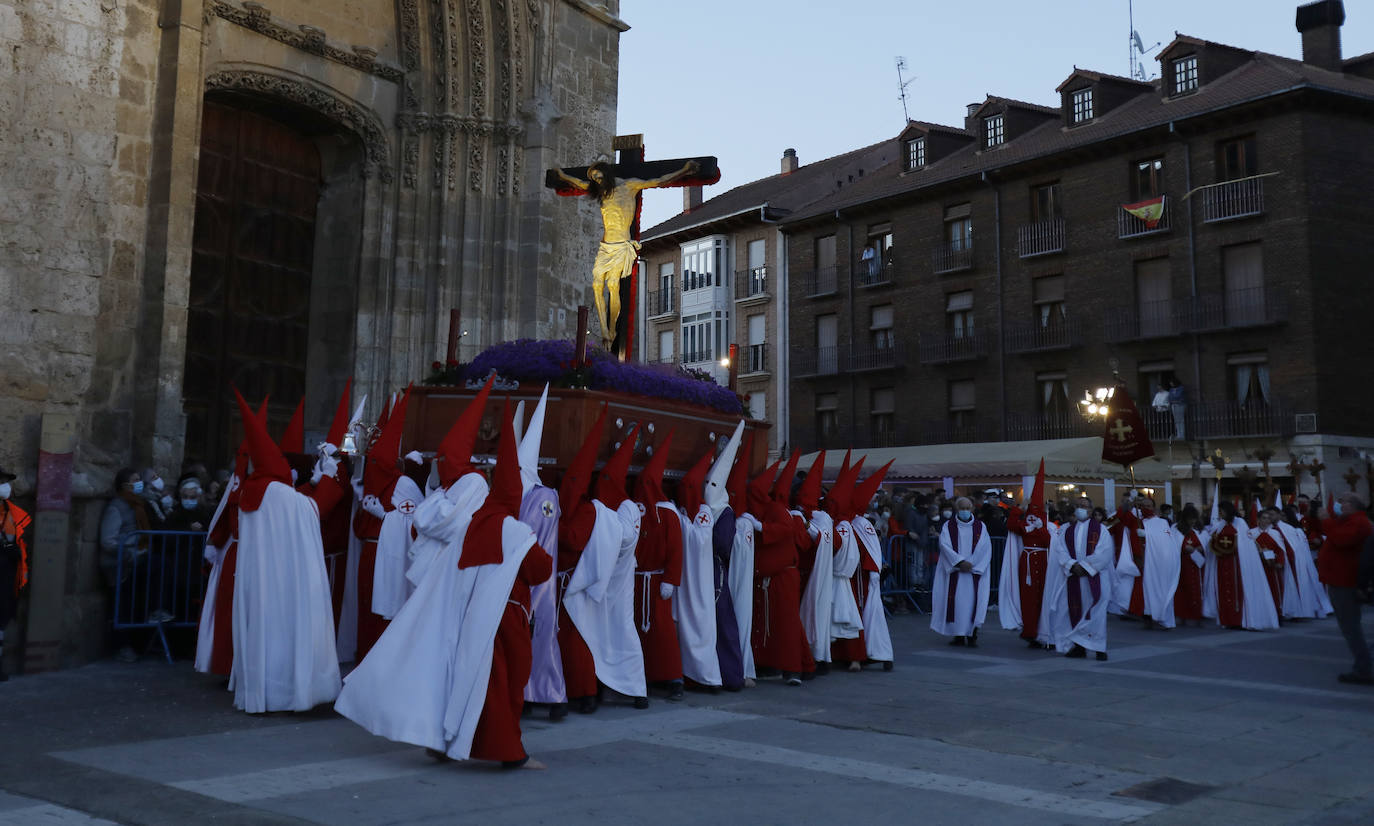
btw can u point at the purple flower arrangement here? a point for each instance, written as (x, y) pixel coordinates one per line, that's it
(536, 362)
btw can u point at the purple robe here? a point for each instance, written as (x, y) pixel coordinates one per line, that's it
(539, 510)
(727, 625)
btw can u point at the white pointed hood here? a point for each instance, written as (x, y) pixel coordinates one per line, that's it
(715, 494)
(528, 450)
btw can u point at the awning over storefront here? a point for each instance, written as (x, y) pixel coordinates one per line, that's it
(991, 462)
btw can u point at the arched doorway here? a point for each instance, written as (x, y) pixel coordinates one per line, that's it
(264, 194)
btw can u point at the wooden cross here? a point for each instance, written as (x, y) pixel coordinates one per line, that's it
(1352, 478)
(630, 165)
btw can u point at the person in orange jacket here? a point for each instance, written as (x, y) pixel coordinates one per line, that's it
(14, 559)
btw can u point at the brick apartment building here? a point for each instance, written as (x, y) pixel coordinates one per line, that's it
(716, 274)
(971, 289)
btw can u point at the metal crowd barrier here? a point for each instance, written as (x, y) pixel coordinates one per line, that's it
(161, 582)
(911, 569)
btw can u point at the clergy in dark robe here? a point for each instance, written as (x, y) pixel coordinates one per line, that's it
(1274, 557)
(1073, 618)
(658, 574)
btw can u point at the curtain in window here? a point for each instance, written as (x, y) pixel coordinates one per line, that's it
(1243, 374)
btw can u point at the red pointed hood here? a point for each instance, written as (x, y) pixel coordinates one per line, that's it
(455, 451)
(839, 501)
(757, 493)
(835, 495)
(809, 494)
(578, 478)
(649, 488)
(293, 440)
(610, 485)
(339, 426)
(863, 491)
(482, 544)
(382, 471)
(385, 415)
(689, 490)
(1036, 506)
(268, 463)
(782, 488)
(738, 483)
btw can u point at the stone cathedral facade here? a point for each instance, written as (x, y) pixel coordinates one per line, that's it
(279, 195)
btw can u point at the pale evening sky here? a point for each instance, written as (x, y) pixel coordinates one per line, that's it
(745, 79)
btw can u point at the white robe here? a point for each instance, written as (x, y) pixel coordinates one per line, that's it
(1313, 601)
(877, 638)
(819, 595)
(441, 520)
(390, 588)
(1008, 588)
(741, 583)
(600, 600)
(1056, 626)
(284, 655)
(205, 632)
(846, 623)
(346, 633)
(425, 680)
(1257, 609)
(694, 602)
(971, 594)
(1162, 560)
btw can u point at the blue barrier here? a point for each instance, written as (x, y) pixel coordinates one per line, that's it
(911, 569)
(161, 582)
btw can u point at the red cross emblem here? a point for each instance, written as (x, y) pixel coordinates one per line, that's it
(703, 518)
(407, 507)
(844, 529)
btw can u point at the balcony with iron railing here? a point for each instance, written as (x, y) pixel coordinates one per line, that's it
(1232, 199)
(817, 361)
(1058, 334)
(944, 432)
(1213, 312)
(1040, 238)
(880, 354)
(1148, 319)
(1129, 226)
(697, 357)
(751, 284)
(952, 256)
(941, 348)
(1219, 420)
(1065, 425)
(820, 282)
(811, 438)
(661, 303)
(755, 359)
(875, 273)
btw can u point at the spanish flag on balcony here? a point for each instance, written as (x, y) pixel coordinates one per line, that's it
(1149, 211)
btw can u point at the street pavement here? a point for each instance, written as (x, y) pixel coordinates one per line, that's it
(1194, 725)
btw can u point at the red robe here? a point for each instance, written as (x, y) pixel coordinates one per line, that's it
(658, 559)
(579, 669)
(1129, 525)
(1188, 597)
(1273, 568)
(370, 626)
(498, 729)
(226, 532)
(778, 638)
(1031, 566)
(1230, 592)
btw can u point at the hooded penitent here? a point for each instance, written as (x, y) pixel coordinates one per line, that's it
(738, 483)
(529, 444)
(339, 426)
(757, 492)
(649, 488)
(610, 485)
(268, 463)
(689, 490)
(482, 544)
(863, 491)
(782, 488)
(714, 493)
(809, 494)
(578, 478)
(455, 451)
(382, 470)
(293, 440)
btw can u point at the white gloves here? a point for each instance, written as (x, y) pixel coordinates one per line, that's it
(1033, 523)
(373, 505)
(1139, 531)
(665, 591)
(414, 456)
(325, 466)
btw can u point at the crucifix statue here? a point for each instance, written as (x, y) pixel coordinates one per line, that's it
(618, 188)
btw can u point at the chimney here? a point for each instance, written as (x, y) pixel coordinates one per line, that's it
(789, 161)
(1320, 25)
(691, 197)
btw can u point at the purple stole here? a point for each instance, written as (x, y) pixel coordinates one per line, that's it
(1095, 584)
(953, 529)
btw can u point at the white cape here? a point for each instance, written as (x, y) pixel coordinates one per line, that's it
(877, 639)
(819, 595)
(971, 589)
(284, 656)
(1162, 563)
(600, 600)
(1056, 626)
(741, 583)
(441, 520)
(1008, 589)
(1257, 608)
(1311, 594)
(846, 623)
(425, 681)
(390, 588)
(694, 602)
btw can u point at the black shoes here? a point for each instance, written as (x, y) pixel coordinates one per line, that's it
(973, 640)
(959, 641)
(791, 678)
(1078, 652)
(1356, 678)
(1102, 656)
(586, 705)
(641, 702)
(675, 691)
(557, 711)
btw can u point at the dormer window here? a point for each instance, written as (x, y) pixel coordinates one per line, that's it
(1083, 105)
(915, 153)
(992, 131)
(1185, 74)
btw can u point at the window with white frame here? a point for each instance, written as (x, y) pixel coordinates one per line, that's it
(1185, 74)
(703, 336)
(1047, 294)
(756, 357)
(1054, 394)
(993, 134)
(1083, 105)
(1249, 374)
(915, 153)
(703, 264)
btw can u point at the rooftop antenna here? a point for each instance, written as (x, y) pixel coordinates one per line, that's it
(1135, 46)
(901, 88)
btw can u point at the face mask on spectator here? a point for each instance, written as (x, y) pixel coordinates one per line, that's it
(1336, 508)
(1081, 514)
(157, 483)
(945, 514)
(167, 500)
(138, 486)
(965, 516)
(189, 504)
(887, 514)
(4, 490)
